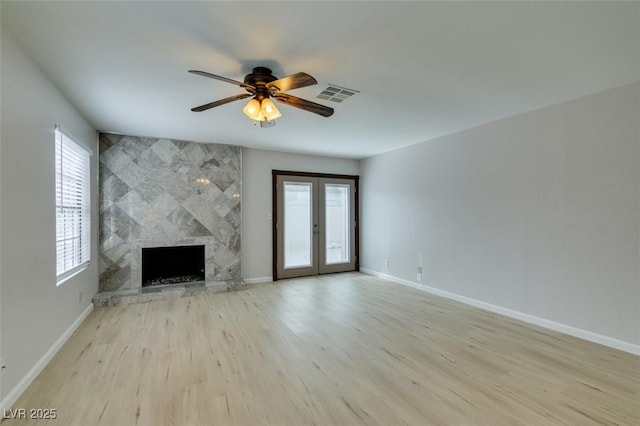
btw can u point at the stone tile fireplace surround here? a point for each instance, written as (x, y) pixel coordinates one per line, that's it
(160, 192)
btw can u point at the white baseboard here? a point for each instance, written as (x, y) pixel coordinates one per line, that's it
(23, 384)
(531, 319)
(258, 280)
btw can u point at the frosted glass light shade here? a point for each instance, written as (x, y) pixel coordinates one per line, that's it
(269, 110)
(252, 110)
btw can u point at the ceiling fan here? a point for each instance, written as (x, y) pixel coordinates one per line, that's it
(261, 85)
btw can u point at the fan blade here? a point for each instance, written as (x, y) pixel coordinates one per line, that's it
(296, 102)
(228, 80)
(220, 102)
(293, 81)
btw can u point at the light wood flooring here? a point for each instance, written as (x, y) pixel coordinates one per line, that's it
(343, 349)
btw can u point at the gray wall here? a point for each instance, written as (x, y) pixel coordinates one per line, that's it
(537, 213)
(35, 313)
(256, 186)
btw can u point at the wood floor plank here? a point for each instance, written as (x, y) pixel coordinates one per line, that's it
(341, 349)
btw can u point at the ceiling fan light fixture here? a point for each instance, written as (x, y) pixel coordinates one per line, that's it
(252, 110)
(269, 110)
(260, 85)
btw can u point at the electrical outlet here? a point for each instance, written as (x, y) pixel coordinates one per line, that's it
(386, 263)
(419, 275)
(3, 366)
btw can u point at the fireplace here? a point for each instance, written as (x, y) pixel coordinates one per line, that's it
(172, 265)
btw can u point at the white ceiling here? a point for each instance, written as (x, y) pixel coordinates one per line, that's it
(424, 69)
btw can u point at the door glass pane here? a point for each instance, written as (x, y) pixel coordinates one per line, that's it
(297, 225)
(337, 223)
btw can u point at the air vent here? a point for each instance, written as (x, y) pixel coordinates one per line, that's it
(336, 93)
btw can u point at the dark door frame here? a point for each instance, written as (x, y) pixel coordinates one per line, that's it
(274, 206)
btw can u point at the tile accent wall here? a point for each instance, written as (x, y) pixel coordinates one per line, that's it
(161, 192)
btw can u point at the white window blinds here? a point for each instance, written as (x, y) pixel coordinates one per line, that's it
(73, 215)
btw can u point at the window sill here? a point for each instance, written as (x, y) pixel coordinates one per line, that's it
(71, 273)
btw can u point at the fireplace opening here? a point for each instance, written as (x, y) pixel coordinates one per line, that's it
(172, 265)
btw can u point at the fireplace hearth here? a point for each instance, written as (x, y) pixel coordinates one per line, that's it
(172, 265)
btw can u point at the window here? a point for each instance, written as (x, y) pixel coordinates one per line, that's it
(73, 208)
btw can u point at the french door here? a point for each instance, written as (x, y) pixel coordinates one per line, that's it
(315, 226)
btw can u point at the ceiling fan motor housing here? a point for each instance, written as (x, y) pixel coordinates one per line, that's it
(259, 78)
